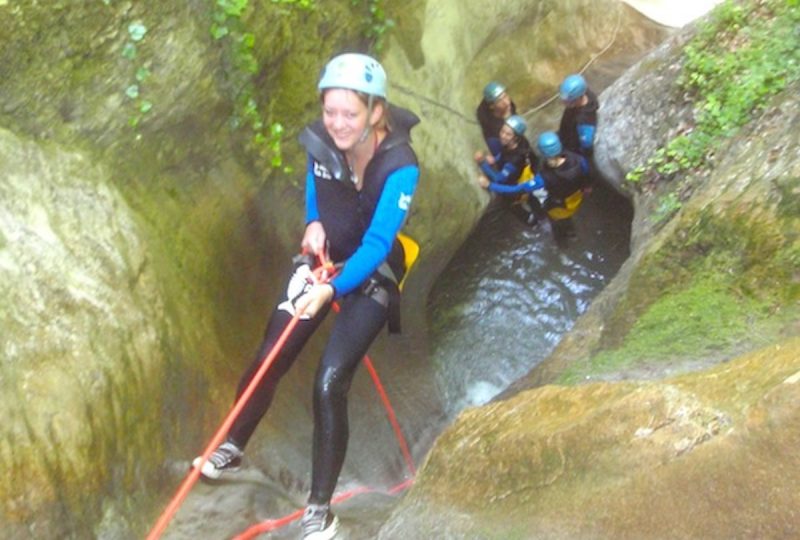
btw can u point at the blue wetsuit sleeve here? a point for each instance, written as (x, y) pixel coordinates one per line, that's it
(312, 214)
(501, 176)
(586, 135)
(390, 215)
(525, 187)
(584, 165)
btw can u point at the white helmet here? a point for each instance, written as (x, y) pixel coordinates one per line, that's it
(354, 71)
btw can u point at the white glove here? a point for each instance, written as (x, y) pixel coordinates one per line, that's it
(300, 283)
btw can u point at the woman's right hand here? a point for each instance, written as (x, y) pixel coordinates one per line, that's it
(314, 238)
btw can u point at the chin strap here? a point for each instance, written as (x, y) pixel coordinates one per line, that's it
(368, 130)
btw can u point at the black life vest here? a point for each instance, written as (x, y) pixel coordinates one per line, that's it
(572, 118)
(564, 180)
(345, 212)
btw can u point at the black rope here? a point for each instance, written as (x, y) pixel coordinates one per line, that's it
(435, 103)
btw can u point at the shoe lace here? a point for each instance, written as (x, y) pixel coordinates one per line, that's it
(224, 455)
(315, 518)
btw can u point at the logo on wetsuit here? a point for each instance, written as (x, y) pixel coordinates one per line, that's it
(404, 202)
(321, 172)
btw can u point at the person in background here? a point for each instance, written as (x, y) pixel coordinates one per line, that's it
(493, 110)
(558, 184)
(579, 119)
(506, 166)
(361, 176)
(512, 165)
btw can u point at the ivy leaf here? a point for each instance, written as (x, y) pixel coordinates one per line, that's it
(137, 31)
(219, 32)
(129, 51)
(132, 91)
(145, 106)
(142, 74)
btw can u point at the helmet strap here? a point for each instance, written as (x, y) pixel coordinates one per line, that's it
(368, 129)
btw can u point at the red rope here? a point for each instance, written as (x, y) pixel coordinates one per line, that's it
(392, 417)
(323, 275)
(191, 479)
(270, 525)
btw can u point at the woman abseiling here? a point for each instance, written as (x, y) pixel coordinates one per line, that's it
(360, 181)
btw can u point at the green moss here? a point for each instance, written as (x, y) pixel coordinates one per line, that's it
(701, 319)
(744, 53)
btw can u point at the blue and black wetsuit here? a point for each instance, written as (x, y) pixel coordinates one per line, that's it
(578, 126)
(508, 163)
(558, 182)
(361, 228)
(491, 125)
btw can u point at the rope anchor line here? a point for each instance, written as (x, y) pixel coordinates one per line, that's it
(592, 59)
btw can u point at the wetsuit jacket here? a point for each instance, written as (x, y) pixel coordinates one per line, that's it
(490, 124)
(559, 182)
(508, 164)
(578, 126)
(361, 226)
(565, 179)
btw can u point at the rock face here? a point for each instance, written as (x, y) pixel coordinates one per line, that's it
(81, 323)
(709, 453)
(141, 240)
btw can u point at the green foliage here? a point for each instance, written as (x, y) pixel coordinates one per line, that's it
(745, 53)
(141, 106)
(667, 206)
(228, 25)
(375, 23)
(302, 4)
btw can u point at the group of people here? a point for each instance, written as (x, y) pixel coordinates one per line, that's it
(360, 180)
(549, 184)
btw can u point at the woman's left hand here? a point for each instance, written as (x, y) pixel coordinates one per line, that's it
(314, 300)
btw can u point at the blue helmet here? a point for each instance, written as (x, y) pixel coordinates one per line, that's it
(493, 91)
(549, 144)
(354, 71)
(517, 124)
(572, 88)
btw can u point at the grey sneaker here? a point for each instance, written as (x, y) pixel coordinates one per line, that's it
(225, 459)
(319, 523)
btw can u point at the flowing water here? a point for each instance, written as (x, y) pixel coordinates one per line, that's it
(512, 291)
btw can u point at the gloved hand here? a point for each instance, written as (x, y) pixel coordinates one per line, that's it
(300, 283)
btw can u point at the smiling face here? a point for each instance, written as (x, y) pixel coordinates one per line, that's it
(345, 117)
(507, 135)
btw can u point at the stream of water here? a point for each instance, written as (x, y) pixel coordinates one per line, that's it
(512, 291)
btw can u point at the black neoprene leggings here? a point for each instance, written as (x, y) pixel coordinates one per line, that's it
(356, 326)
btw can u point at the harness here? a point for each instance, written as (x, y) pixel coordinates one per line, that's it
(338, 197)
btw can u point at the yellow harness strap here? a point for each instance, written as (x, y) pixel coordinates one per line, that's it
(411, 250)
(571, 205)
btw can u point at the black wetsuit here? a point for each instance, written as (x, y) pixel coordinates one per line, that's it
(578, 125)
(564, 180)
(354, 222)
